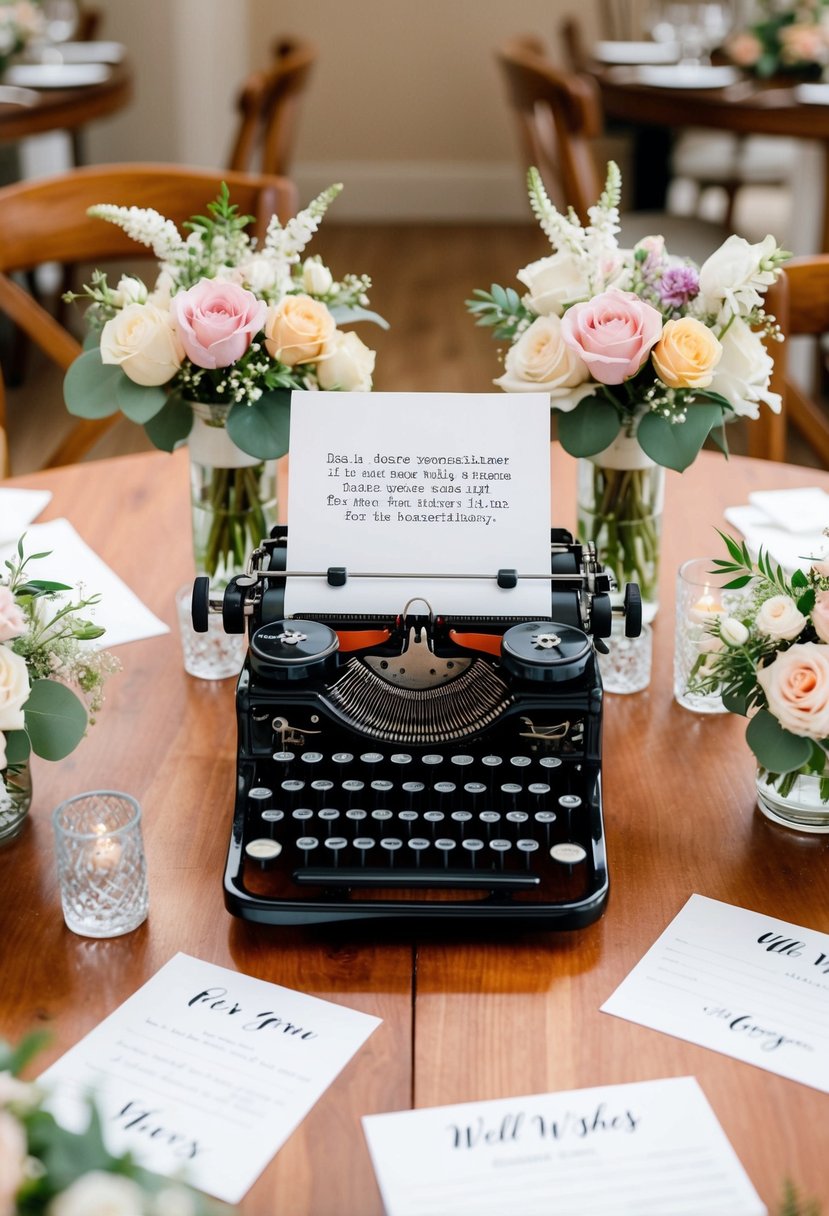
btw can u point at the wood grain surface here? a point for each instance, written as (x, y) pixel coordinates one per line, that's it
(464, 1017)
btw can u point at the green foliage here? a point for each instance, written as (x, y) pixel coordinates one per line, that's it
(262, 429)
(776, 749)
(589, 428)
(500, 308)
(795, 1205)
(673, 445)
(55, 719)
(90, 387)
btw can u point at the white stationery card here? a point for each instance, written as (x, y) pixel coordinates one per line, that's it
(17, 510)
(739, 982)
(122, 614)
(205, 1073)
(422, 484)
(651, 1146)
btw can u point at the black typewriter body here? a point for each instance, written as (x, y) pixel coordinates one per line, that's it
(419, 767)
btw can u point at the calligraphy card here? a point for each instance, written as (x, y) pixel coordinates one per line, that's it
(651, 1146)
(204, 1073)
(740, 982)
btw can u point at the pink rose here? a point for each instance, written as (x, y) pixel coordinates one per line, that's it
(820, 615)
(12, 620)
(216, 321)
(613, 334)
(796, 685)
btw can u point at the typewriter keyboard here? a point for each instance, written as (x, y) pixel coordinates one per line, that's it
(331, 836)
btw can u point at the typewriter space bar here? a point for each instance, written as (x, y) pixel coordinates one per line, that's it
(378, 876)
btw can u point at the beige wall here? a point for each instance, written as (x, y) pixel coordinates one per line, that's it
(406, 107)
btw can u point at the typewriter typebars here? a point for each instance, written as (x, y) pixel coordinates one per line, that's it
(419, 766)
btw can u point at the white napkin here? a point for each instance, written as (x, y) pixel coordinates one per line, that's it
(787, 524)
(71, 561)
(17, 510)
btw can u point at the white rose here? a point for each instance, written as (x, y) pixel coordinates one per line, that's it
(779, 618)
(556, 281)
(162, 292)
(99, 1194)
(317, 279)
(174, 1201)
(143, 341)
(259, 274)
(733, 275)
(12, 1161)
(130, 290)
(14, 689)
(541, 361)
(346, 364)
(733, 632)
(23, 1094)
(743, 372)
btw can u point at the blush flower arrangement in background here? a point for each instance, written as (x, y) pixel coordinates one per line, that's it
(784, 38)
(769, 660)
(21, 21)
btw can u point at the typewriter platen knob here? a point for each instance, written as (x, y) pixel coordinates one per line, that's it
(545, 650)
(293, 649)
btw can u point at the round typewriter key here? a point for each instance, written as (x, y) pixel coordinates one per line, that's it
(491, 761)
(302, 812)
(328, 814)
(413, 787)
(382, 815)
(335, 843)
(444, 787)
(408, 816)
(283, 757)
(400, 758)
(364, 843)
(473, 844)
(475, 787)
(353, 787)
(569, 801)
(545, 817)
(538, 787)
(372, 758)
(311, 757)
(434, 816)
(263, 849)
(293, 649)
(550, 762)
(391, 843)
(500, 846)
(520, 761)
(272, 816)
(258, 795)
(461, 816)
(445, 844)
(293, 787)
(382, 787)
(517, 816)
(355, 814)
(511, 788)
(307, 843)
(432, 759)
(419, 843)
(462, 760)
(489, 817)
(546, 651)
(568, 853)
(342, 757)
(527, 846)
(322, 785)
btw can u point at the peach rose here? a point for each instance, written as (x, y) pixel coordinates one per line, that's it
(613, 333)
(780, 618)
(820, 615)
(142, 340)
(216, 321)
(541, 361)
(686, 354)
(796, 685)
(297, 330)
(12, 620)
(744, 48)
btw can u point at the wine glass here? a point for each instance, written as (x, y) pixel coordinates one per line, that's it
(61, 20)
(696, 28)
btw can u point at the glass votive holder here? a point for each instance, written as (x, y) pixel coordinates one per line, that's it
(214, 655)
(627, 668)
(102, 871)
(700, 599)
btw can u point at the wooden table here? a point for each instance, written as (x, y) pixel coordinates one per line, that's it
(67, 109)
(748, 107)
(463, 1017)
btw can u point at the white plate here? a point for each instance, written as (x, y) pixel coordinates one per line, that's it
(636, 52)
(84, 52)
(687, 76)
(812, 94)
(55, 75)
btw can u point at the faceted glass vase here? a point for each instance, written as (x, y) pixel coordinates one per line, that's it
(801, 807)
(15, 800)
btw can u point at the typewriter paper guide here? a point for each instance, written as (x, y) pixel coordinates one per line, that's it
(422, 484)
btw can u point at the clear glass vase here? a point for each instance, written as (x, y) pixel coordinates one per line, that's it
(620, 498)
(793, 800)
(15, 800)
(232, 496)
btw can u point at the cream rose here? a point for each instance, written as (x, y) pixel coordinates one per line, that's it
(779, 617)
(141, 338)
(297, 330)
(12, 620)
(12, 1161)
(555, 282)
(14, 689)
(347, 364)
(686, 354)
(541, 361)
(820, 615)
(743, 372)
(736, 275)
(733, 632)
(796, 685)
(99, 1194)
(317, 279)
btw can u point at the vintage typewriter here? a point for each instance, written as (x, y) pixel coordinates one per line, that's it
(419, 766)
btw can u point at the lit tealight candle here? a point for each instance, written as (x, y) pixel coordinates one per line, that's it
(106, 852)
(706, 608)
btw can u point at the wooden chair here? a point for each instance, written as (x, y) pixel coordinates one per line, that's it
(268, 106)
(559, 117)
(800, 302)
(46, 221)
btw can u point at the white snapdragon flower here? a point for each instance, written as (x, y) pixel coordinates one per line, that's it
(736, 275)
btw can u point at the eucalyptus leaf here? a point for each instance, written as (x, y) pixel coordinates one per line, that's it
(677, 445)
(90, 387)
(589, 428)
(262, 428)
(776, 749)
(171, 425)
(353, 312)
(55, 719)
(139, 402)
(735, 702)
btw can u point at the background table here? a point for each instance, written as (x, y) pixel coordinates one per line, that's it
(67, 109)
(464, 1016)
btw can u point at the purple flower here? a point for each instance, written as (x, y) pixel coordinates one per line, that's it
(678, 285)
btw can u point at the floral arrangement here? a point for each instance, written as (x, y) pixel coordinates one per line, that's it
(44, 658)
(47, 1171)
(786, 38)
(227, 327)
(20, 22)
(768, 657)
(636, 340)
